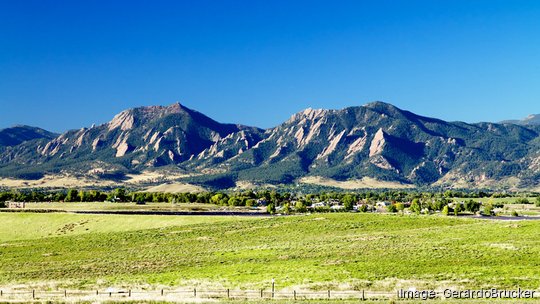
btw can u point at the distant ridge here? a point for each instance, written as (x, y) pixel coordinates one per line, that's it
(20, 133)
(374, 142)
(533, 119)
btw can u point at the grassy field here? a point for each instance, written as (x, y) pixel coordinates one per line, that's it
(32, 226)
(521, 209)
(509, 205)
(321, 251)
(503, 200)
(108, 206)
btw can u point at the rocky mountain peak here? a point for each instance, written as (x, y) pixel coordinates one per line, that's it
(125, 120)
(128, 119)
(308, 114)
(383, 108)
(377, 141)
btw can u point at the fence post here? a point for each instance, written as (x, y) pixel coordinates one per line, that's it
(129, 293)
(1, 293)
(33, 294)
(162, 292)
(363, 295)
(329, 294)
(228, 293)
(294, 294)
(195, 292)
(261, 293)
(97, 292)
(65, 293)
(110, 293)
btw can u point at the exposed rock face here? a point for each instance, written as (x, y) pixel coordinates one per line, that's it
(356, 147)
(124, 120)
(334, 141)
(377, 141)
(381, 162)
(97, 143)
(122, 149)
(307, 114)
(54, 146)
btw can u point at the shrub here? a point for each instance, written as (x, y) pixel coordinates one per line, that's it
(400, 207)
(72, 195)
(457, 208)
(391, 208)
(439, 204)
(514, 213)
(118, 194)
(363, 208)
(322, 209)
(522, 200)
(286, 209)
(271, 208)
(348, 201)
(300, 206)
(250, 202)
(445, 210)
(234, 201)
(537, 203)
(224, 201)
(472, 206)
(488, 209)
(415, 206)
(497, 204)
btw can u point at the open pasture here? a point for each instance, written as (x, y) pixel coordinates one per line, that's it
(306, 252)
(121, 206)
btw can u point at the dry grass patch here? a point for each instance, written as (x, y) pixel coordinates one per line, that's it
(363, 183)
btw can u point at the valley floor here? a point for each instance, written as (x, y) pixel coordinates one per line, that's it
(318, 252)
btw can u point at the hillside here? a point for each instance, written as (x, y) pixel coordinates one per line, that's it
(18, 134)
(531, 120)
(377, 142)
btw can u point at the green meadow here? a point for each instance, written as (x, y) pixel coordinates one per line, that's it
(380, 252)
(120, 206)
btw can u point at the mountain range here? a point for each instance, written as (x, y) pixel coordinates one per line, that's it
(377, 142)
(533, 119)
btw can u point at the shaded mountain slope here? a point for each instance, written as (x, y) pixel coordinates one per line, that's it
(18, 134)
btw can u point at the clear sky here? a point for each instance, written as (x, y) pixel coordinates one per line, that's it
(68, 64)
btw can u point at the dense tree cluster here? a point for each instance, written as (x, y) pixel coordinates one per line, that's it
(285, 201)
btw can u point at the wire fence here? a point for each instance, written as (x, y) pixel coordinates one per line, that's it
(164, 294)
(201, 294)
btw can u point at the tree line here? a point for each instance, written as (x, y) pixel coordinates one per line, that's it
(286, 200)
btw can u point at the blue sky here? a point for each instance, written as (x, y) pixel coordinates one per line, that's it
(68, 64)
